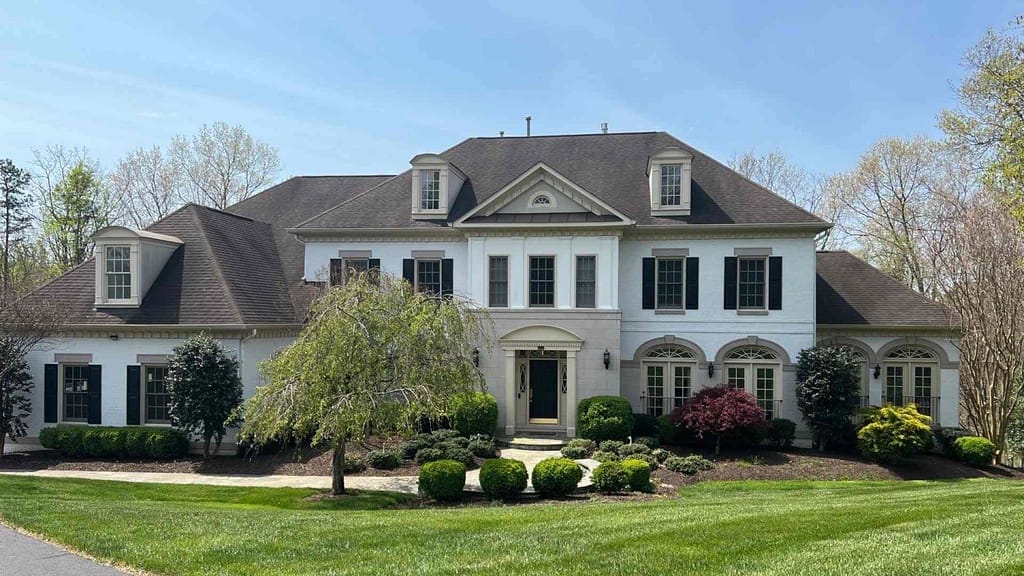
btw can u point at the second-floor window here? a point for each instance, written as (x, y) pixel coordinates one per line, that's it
(669, 287)
(344, 268)
(430, 190)
(497, 287)
(428, 276)
(542, 281)
(753, 278)
(118, 272)
(586, 281)
(671, 184)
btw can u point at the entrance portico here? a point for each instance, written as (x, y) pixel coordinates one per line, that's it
(540, 379)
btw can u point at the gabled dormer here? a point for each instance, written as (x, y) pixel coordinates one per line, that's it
(669, 171)
(127, 263)
(435, 184)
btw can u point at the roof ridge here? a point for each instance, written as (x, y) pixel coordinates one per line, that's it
(215, 262)
(578, 134)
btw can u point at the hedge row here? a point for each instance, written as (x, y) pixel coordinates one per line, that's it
(115, 442)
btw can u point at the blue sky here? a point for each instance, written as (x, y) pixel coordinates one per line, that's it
(344, 88)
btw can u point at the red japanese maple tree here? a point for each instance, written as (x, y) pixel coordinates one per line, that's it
(720, 411)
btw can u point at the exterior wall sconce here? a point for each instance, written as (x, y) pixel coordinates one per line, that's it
(711, 370)
(476, 357)
(113, 337)
(607, 357)
(878, 371)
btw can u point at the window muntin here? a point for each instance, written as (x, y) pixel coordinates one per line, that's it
(157, 396)
(669, 285)
(586, 281)
(541, 200)
(430, 189)
(497, 282)
(75, 387)
(736, 377)
(428, 276)
(752, 282)
(118, 272)
(542, 281)
(894, 384)
(671, 184)
(669, 371)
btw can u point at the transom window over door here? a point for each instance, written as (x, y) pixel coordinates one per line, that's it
(756, 370)
(671, 184)
(117, 266)
(542, 281)
(428, 276)
(430, 189)
(75, 386)
(668, 371)
(157, 403)
(911, 377)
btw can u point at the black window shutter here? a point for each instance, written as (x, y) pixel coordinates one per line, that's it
(95, 393)
(374, 263)
(730, 282)
(409, 271)
(775, 283)
(134, 392)
(648, 284)
(337, 272)
(692, 283)
(447, 268)
(50, 393)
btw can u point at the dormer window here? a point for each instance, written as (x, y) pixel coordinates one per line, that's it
(127, 262)
(430, 189)
(671, 184)
(669, 172)
(435, 184)
(118, 272)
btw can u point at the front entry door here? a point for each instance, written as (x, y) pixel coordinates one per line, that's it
(543, 391)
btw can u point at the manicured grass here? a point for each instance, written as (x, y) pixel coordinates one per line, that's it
(962, 527)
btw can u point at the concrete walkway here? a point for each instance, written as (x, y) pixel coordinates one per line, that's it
(26, 556)
(404, 484)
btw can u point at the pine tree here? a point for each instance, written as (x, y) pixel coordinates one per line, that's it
(15, 220)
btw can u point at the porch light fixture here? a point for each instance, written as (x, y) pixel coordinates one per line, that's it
(113, 337)
(711, 370)
(878, 371)
(607, 356)
(476, 357)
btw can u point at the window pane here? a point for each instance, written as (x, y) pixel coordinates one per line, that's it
(923, 389)
(428, 276)
(681, 385)
(118, 272)
(655, 389)
(586, 281)
(894, 384)
(542, 281)
(430, 189)
(157, 395)
(497, 291)
(670, 283)
(736, 378)
(76, 393)
(751, 282)
(765, 391)
(671, 184)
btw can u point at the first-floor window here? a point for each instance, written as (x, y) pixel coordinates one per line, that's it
(586, 281)
(736, 377)
(765, 391)
(755, 370)
(542, 281)
(76, 392)
(669, 372)
(157, 396)
(497, 286)
(656, 390)
(428, 276)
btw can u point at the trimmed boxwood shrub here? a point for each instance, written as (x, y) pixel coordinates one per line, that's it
(689, 464)
(443, 480)
(609, 477)
(781, 432)
(383, 459)
(631, 449)
(975, 450)
(556, 477)
(947, 437)
(638, 474)
(503, 478)
(604, 418)
(574, 452)
(603, 456)
(610, 446)
(474, 413)
(115, 442)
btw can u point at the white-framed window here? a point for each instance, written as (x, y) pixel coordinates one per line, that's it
(669, 288)
(752, 282)
(430, 189)
(668, 372)
(542, 282)
(497, 282)
(344, 268)
(758, 371)
(671, 184)
(117, 268)
(911, 377)
(428, 275)
(156, 396)
(541, 200)
(74, 392)
(586, 281)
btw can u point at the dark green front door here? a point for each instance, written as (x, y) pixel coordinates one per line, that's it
(544, 391)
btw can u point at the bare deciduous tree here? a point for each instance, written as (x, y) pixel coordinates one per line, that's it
(223, 164)
(148, 185)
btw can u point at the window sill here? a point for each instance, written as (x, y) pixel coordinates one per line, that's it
(752, 312)
(673, 211)
(669, 312)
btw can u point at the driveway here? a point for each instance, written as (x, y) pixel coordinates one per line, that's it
(26, 556)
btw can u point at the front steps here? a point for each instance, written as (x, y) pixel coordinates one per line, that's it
(532, 442)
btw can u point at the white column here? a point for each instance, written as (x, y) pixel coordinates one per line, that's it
(570, 393)
(510, 392)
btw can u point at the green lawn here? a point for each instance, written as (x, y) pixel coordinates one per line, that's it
(963, 527)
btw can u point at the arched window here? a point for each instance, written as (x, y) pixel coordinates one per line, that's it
(911, 377)
(668, 373)
(541, 200)
(758, 371)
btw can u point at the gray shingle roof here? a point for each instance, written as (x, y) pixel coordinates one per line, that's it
(852, 292)
(610, 166)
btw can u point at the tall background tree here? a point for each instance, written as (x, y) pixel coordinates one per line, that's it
(75, 209)
(148, 184)
(16, 221)
(223, 164)
(374, 354)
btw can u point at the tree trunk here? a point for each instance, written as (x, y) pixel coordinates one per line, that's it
(718, 444)
(3, 444)
(206, 447)
(216, 446)
(338, 469)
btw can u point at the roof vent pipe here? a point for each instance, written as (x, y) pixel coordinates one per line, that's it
(528, 118)
(604, 127)
(501, 133)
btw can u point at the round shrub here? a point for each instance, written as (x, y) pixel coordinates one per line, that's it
(895, 432)
(975, 450)
(660, 454)
(354, 464)
(631, 449)
(604, 418)
(610, 445)
(603, 456)
(425, 455)
(574, 452)
(609, 477)
(638, 474)
(556, 477)
(652, 462)
(947, 437)
(651, 442)
(443, 480)
(688, 465)
(781, 432)
(383, 459)
(483, 448)
(503, 478)
(475, 413)
(585, 443)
